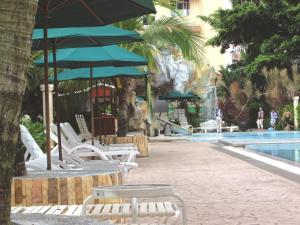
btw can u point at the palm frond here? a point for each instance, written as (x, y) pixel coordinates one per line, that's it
(175, 32)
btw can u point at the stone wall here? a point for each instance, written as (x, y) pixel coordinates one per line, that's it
(66, 190)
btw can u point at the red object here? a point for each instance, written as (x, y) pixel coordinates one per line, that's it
(101, 92)
(105, 125)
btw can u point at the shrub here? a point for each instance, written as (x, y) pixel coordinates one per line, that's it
(36, 129)
(286, 108)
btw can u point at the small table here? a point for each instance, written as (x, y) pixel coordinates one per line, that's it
(134, 192)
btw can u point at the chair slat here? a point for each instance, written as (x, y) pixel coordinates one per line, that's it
(126, 210)
(97, 209)
(143, 209)
(152, 209)
(36, 209)
(52, 210)
(106, 212)
(60, 210)
(116, 209)
(169, 209)
(78, 211)
(71, 209)
(161, 208)
(29, 209)
(44, 209)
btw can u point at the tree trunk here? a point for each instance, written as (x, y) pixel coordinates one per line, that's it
(124, 95)
(16, 24)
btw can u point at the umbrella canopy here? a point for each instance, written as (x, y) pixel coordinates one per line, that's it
(177, 95)
(74, 37)
(95, 56)
(82, 13)
(100, 73)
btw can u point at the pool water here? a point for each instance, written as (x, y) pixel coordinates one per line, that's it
(285, 151)
(247, 137)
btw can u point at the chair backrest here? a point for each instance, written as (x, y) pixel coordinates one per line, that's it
(53, 136)
(79, 124)
(33, 150)
(183, 120)
(70, 134)
(84, 131)
(84, 151)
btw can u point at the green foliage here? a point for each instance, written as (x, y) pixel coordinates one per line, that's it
(268, 29)
(36, 129)
(194, 118)
(32, 99)
(281, 120)
(166, 32)
(298, 112)
(229, 75)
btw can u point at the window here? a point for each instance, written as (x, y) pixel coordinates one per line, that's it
(183, 6)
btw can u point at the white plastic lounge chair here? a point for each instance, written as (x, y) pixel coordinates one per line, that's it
(84, 132)
(88, 150)
(133, 210)
(65, 211)
(74, 139)
(35, 159)
(180, 115)
(212, 125)
(86, 135)
(169, 211)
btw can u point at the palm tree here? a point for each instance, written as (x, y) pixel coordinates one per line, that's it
(17, 21)
(228, 78)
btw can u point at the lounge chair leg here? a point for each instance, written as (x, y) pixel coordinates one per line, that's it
(134, 206)
(86, 201)
(182, 205)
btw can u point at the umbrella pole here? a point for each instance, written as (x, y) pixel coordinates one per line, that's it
(46, 83)
(56, 102)
(104, 95)
(146, 87)
(97, 110)
(92, 105)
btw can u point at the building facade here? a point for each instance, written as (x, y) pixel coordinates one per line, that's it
(192, 9)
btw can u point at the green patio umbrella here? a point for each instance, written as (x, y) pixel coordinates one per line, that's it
(79, 37)
(94, 57)
(100, 73)
(177, 95)
(111, 55)
(74, 37)
(85, 13)
(82, 13)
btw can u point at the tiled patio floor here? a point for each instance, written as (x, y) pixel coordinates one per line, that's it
(220, 189)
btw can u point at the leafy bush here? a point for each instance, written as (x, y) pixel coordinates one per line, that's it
(281, 124)
(194, 119)
(298, 112)
(36, 129)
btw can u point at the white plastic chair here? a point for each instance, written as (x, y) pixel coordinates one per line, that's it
(86, 135)
(88, 150)
(171, 212)
(74, 139)
(35, 159)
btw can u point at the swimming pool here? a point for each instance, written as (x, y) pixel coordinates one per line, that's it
(289, 152)
(246, 138)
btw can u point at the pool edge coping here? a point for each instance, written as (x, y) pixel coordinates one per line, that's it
(260, 164)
